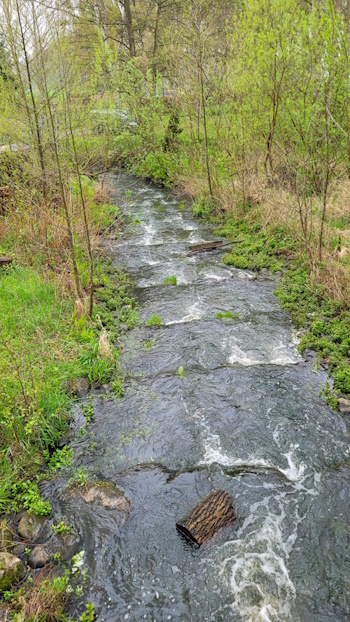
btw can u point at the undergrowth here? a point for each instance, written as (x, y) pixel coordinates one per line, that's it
(44, 348)
(326, 322)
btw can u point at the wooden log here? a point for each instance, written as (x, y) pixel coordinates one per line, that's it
(5, 261)
(212, 513)
(205, 246)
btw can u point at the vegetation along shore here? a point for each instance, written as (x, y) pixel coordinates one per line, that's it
(242, 109)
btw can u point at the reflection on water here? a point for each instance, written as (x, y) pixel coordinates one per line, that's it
(245, 417)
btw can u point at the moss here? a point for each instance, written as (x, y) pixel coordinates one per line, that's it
(228, 316)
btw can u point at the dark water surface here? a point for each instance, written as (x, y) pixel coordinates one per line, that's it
(246, 417)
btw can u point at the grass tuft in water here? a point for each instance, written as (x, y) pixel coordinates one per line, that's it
(170, 280)
(181, 372)
(155, 320)
(228, 316)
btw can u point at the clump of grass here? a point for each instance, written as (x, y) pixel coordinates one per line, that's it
(170, 280)
(228, 316)
(147, 345)
(181, 372)
(253, 248)
(155, 320)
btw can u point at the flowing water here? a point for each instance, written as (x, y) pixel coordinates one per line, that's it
(245, 417)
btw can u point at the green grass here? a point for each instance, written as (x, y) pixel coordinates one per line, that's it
(155, 320)
(43, 348)
(228, 316)
(170, 280)
(181, 372)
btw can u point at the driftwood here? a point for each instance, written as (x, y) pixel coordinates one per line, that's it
(207, 246)
(5, 261)
(212, 513)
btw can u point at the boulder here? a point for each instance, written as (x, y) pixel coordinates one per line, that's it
(19, 548)
(344, 405)
(66, 544)
(80, 387)
(100, 511)
(11, 571)
(104, 495)
(5, 261)
(30, 526)
(38, 557)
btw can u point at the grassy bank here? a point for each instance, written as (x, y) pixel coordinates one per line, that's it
(47, 343)
(326, 321)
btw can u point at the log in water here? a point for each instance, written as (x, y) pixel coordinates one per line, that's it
(209, 515)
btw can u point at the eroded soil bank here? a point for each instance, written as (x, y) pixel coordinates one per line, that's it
(210, 403)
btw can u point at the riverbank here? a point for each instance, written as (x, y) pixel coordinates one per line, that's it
(52, 353)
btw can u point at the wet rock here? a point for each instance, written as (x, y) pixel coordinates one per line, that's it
(30, 526)
(38, 557)
(100, 510)
(66, 545)
(19, 549)
(105, 389)
(67, 438)
(247, 276)
(344, 405)
(80, 387)
(11, 571)
(5, 537)
(105, 495)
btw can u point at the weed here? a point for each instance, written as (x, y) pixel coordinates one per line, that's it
(155, 320)
(88, 412)
(79, 478)
(61, 528)
(228, 315)
(170, 280)
(118, 388)
(181, 372)
(60, 459)
(147, 345)
(329, 396)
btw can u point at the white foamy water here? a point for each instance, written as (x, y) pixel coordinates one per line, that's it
(195, 312)
(283, 354)
(255, 564)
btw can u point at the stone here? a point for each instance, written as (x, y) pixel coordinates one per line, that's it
(66, 545)
(18, 549)
(11, 571)
(104, 495)
(5, 614)
(344, 405)
(81, 387)
(105, 389)
(5, 261)
(39, 557)
(5, 537)
(30, 526)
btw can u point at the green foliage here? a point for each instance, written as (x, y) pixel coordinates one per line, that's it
(88, 412)
(228, 316)
(254, 249)
(89, 614)
(330, 398)
(147, 345)
(61, 528)
(60, 459)
(181, 372)
(26, 494)
(201, 207)
(118, 388)
(170, 280)
(155, 320)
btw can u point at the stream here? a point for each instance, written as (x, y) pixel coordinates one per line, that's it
(244, 416)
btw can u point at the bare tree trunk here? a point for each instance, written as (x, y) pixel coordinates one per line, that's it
(58, 164)
(155, 41)
(326, 181)
(205, 125)
(129, 27)
(35, 111)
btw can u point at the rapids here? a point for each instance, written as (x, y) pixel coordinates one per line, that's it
(246, 417)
